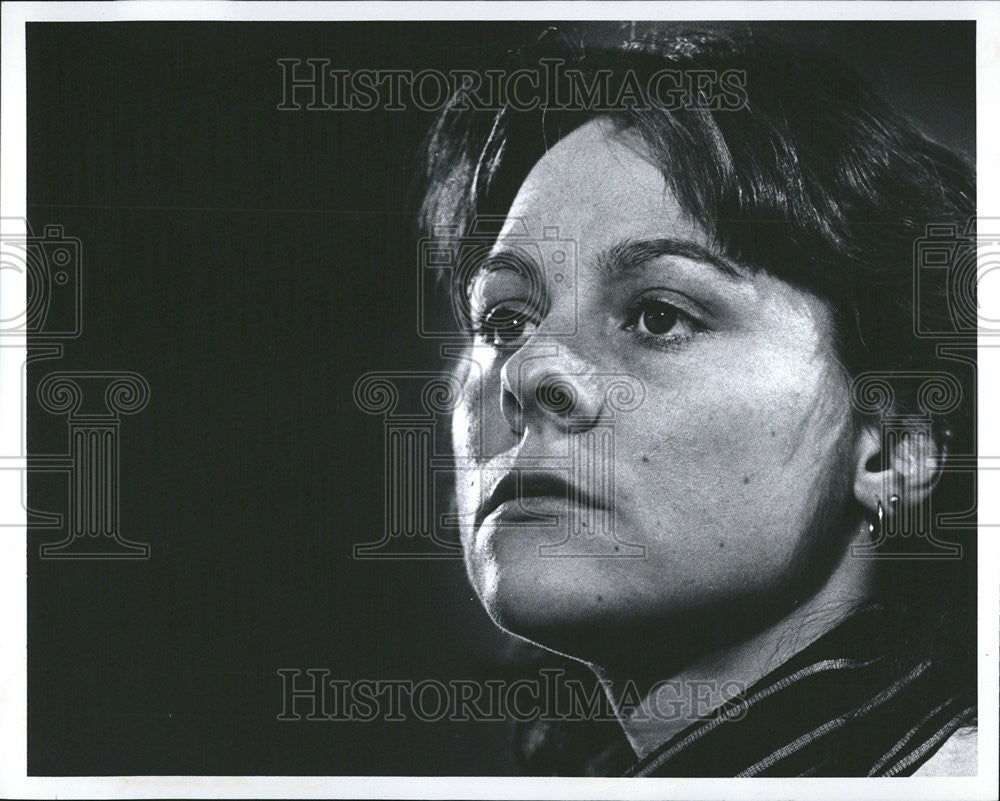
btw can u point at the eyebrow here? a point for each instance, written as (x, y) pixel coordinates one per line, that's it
(631, 254)
(622, 257)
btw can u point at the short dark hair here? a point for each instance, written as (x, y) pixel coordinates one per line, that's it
(813, 178)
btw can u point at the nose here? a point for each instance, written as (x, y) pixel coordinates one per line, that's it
(549, 385)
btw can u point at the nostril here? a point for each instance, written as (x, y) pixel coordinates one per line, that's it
(558, 396)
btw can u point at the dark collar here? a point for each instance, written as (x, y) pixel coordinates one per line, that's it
(840, 707)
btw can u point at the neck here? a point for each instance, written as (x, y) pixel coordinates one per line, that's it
(652, 709)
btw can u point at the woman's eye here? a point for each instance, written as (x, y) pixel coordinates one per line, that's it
(654, 317)
(503, 325)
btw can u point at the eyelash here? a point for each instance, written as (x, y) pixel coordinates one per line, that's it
(662, 341)
(516, 318)
(480, 324)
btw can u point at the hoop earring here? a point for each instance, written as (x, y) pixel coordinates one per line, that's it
(877, 526)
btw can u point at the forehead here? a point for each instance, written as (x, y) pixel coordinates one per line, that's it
(598, 186)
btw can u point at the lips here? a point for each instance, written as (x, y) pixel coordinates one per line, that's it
(533, 485)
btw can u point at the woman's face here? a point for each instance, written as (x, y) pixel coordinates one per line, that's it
(715, 490)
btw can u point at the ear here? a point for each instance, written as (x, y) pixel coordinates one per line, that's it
(906, 464)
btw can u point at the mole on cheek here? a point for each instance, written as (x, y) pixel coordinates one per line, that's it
(645, 459)
(746, 479)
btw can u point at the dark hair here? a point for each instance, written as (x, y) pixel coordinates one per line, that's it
(811, 177)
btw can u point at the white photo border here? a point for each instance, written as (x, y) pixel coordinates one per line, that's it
(14, 782)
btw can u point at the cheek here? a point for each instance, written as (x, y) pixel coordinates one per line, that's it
(466, 433)
(468, 417)
(477, 437)
(479, 378)
(464, 425)
(744, 462)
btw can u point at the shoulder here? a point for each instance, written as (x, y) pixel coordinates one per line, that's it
(957, 757)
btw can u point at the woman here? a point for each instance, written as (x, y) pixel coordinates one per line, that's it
(672, 465)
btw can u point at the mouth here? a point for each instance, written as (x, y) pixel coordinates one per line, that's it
(517, 487)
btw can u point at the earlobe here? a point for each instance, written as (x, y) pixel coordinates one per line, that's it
(906, 465)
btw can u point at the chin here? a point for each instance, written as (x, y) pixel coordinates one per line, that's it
(548, 603)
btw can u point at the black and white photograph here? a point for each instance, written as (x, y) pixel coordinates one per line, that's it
(500, 400)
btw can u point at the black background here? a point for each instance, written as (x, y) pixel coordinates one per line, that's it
(251, 263)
